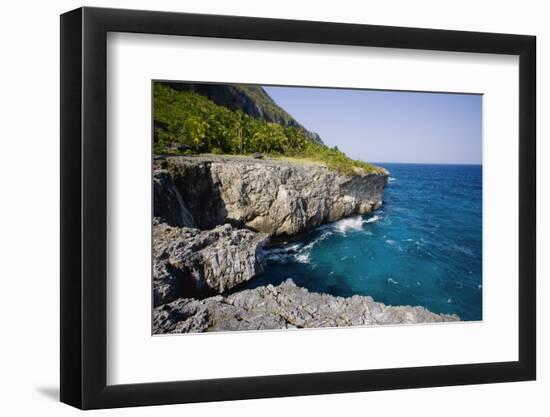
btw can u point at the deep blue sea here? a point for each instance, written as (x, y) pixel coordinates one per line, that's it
(423, 247)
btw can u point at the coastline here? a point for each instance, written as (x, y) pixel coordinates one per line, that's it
(276, 200)
(285, 306)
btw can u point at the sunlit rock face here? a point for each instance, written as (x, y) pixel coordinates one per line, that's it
(271, 196)
(285, 306)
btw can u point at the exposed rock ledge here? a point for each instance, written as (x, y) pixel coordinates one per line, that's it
(281, 307)
(199, 263)
(272, 196)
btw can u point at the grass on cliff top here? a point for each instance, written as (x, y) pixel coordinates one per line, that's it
(346, 166)
(187, 123)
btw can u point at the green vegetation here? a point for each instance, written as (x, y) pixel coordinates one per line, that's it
(187, 123)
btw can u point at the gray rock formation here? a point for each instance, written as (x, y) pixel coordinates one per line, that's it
(167, 201)
(271, 196)
(281, 307)
(239, 202)
(198, 263)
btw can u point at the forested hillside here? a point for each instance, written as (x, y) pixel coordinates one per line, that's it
(187, 123)
(252, 100)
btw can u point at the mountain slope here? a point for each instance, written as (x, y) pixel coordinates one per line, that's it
(252, 100)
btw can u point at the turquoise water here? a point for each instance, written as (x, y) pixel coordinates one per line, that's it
(423, 247)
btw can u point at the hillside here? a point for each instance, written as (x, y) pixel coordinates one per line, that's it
(252, 100)
(189, 123)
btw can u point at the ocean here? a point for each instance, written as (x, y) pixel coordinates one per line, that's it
(423, 247)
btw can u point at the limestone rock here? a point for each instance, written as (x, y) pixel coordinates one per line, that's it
(198, 263)
(167, 201)
(272, 196)
(280, 307)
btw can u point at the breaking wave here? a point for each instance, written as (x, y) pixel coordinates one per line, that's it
(353, 223)
(300, 251)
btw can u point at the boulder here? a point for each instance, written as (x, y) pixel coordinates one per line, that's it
(198, 263)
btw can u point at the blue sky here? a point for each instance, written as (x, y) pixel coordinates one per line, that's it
(390, 126)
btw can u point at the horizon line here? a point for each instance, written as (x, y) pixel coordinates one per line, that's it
(426, 163)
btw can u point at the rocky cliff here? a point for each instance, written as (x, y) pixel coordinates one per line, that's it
(271, 196)
(282, 307)
(213, 216)
(198, 263)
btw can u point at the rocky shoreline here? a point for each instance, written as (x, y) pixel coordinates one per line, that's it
(213, 217)
(285, 306)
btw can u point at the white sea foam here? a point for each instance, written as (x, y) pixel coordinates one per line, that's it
(351, 223)
(318, 239)
(391, 179)
(392, 281)
(301, 252)
(302, 258)
(285, 253)
(298, 252)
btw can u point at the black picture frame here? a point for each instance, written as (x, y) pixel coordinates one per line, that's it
(84, 207)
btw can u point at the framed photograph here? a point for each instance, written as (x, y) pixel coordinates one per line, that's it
(256, 208)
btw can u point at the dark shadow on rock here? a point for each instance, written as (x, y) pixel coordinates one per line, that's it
(199, 193)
